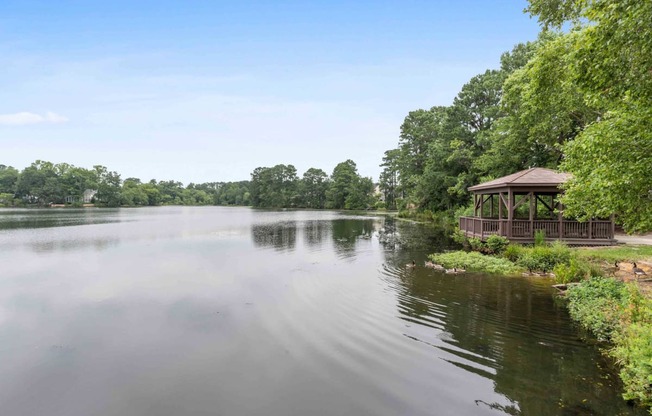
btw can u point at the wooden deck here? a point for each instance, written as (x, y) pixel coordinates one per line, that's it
(597, 233)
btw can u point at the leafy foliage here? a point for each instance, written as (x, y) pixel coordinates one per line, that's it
(620, 313)
(44, 183)
(474, 261)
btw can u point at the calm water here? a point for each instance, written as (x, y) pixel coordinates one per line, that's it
(232, 311)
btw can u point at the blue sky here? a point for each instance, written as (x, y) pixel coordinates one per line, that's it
(201, 91)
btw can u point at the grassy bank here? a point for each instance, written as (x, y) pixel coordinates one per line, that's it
(616, 312)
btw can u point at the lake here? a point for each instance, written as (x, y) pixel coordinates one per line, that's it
(235, 311)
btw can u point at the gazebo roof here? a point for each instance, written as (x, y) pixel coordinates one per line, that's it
(529, 177)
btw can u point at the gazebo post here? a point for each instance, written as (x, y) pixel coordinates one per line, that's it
(560, 208)
(510, 211)
(531, 196)
(500, 213)
(492, 206)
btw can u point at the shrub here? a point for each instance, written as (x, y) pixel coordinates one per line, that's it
(544, 257)
(539, 238)
(513, 252)
(475, 261)
(620, 313)
(575, 271)
(476, 244)
(598, 304)
(496, 244)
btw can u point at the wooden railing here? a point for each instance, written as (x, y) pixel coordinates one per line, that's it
(525, 229)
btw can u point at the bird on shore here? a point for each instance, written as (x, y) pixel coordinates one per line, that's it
(455, 270)
(638, 271)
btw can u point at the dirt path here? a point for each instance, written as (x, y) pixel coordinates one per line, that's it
(645, 239)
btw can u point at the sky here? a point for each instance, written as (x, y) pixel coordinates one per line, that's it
(204, 91)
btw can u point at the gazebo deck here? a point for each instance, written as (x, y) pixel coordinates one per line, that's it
(499, 206)
(597, 233)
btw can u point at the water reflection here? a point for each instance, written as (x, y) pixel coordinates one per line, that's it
(509, 331)
(316, 232)
(234, 311)
(46, 218)
(279, 235)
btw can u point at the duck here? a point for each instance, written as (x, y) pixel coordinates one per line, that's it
(411, 265)
(434, 265)
(638, 271)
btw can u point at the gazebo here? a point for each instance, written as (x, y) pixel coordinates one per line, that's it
(518, 205)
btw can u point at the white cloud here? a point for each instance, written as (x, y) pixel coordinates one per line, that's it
(24, 118)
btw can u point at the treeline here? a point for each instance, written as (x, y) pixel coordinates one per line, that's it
(44, 183)
(579, 101)
(280, 187)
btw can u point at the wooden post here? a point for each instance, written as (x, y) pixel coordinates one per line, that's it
(613, 226)
(510, 211)
(531, 196)
(560, 207)
(481, 205)
(591, 228)
(475, 205)
(492, 206)
(500, 214)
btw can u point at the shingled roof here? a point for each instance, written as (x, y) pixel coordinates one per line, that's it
(528, 177)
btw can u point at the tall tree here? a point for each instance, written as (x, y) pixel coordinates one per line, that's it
(389, 177)
(313, 188)
(610, 56)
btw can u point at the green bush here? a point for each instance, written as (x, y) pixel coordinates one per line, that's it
(539, 238)
(634, 353)
(598, 304)
(544, 257)
(496, 244)
(476, 244)
(513, 252)
(475, 261)
(618, 312)
(575, 270)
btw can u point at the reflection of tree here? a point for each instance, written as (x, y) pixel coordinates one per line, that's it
(347, 231)
(315, 232)
(509, 330)
(279, 235)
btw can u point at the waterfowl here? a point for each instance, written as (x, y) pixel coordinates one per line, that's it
(451, 271)
(434, 265)
(411, 265)
(638, 271)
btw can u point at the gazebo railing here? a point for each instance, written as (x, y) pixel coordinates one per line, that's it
(525, 229)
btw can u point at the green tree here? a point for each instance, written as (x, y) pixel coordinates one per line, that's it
(8, 179)
(108, 186)
(314, 185)
(609, 59)
(344, 175)
(389, 178)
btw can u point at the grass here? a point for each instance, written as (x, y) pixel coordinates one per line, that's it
(613, 254)
(474, 261)
(617, 312)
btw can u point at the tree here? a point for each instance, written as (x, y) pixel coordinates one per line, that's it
(108, 186)
(389, 177)
(8, 179)
(610, 56)
(344, 174)
(313, 188)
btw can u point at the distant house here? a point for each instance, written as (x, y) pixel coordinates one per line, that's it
(378, 193)
(88, 196)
